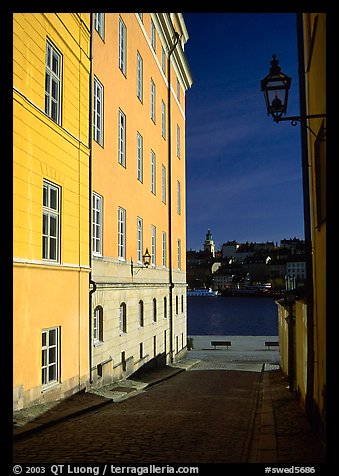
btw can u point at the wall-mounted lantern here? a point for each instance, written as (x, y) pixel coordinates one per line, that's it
(146, 261)
(276, 86)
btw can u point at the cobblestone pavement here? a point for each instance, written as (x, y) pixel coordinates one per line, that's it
(195, 417)
(227, 407)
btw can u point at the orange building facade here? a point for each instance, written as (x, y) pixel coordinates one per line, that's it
(139, 77)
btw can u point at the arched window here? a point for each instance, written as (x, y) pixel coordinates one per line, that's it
(165, 307)
(141, 313)
(123, 318)
(98, 324)
(154, 310)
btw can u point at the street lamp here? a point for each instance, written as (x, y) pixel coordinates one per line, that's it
(146, 260)
(276, 86)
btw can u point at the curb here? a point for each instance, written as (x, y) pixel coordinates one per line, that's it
(267, 451)
(32, 428)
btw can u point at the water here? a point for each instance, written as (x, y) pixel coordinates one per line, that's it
(232, 316)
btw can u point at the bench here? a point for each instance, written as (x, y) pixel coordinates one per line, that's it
(272, 344)
(221, 342)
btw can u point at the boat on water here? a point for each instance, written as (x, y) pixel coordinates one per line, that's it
(207, 292)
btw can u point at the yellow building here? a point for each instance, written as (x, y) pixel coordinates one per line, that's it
(303, 347)
(140, 77)
(51, 85)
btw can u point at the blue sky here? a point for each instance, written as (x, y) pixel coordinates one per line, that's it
(244, 178)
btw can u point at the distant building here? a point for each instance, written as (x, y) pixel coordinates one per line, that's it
(209, 246)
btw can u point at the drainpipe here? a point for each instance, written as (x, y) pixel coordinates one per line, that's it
(91, 282)
(309, 403)
(171, 283)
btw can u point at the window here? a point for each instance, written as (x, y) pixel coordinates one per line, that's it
(177, 304)
(139, 76)
(121, 233)
(178, 141)
(123, 318)
(163, 60)
(122, 139)
(179, 254)
(97, 224)
(152, 100)
(165, 307)
(50, 356)
(98, 327)
(139, 156)
(154, 310)
(99, 23)
(98, 111)
(141, 313)
(178, 90)
(123, 361)
(153, 169)
(182, 303)
(141, 350)
(51, 222)
(178, 197)
(139, 239)
(122, 46)
(153, 245)
(141, 16)
(164, 245)
(163, 184)
(53, 83)
(163, 119)
(153, 36)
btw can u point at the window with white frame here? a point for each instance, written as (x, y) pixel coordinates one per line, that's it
(178, 197)
(163, 184)
(153, 245)
(139, 156)
(139, 239)
(98, 321)
(122, 46)
(121, 233)
(139, 76)
(152, 100)
(97, 225)
(179, 254)
(153, 35)
(53, 83)
(164, 249)
(123, 318)
(163, 60)
(122, 138)
(163, 119)
(98, 111)
(99, 23)
(178, 141)
(178, 89)
(50, 221)
(50, 356)
(153, 172)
